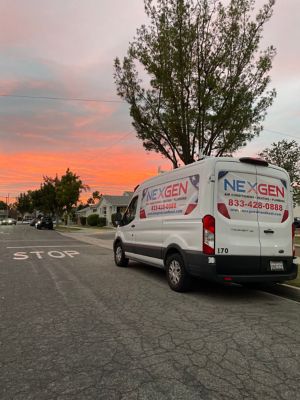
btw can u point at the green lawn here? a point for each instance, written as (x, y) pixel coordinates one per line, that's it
(297, 239)
(295, 282)
(77, 228)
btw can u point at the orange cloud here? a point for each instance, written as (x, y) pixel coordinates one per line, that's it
(112, 172)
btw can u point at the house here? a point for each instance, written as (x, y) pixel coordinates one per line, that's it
(106, 206)
(83, 213)
(3, 214)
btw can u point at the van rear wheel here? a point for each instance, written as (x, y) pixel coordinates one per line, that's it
(120, 259)
(177, 276)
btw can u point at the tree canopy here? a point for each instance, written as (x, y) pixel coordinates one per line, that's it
(95, 196)
(55, 195)
(195, 78)
(68, 190)
(24, 203)
(3, 205)
(286, 154)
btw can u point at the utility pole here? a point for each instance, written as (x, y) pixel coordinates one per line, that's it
(7, 204)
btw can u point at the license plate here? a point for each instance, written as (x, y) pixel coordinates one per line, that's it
(276, 266)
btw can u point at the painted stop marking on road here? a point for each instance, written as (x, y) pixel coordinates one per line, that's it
(24, 255)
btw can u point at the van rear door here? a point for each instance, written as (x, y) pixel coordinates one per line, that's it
(274, 213)
(237, 229)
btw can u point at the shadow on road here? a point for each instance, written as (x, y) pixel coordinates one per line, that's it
(224, 292)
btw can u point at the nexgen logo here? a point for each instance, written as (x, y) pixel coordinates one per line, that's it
(173, 190)
(241, 186)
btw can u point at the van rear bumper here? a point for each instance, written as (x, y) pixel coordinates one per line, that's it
(239, 268)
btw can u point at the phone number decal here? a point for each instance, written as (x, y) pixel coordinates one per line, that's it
(159, 207)
(255, 204)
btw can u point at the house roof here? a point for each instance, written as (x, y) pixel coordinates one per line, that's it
(83, 210)
(128, 194)
(115, 200)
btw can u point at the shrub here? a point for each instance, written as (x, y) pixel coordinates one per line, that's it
(82, 220)
(93, 219)
(102, 221)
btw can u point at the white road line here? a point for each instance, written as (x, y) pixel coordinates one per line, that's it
(34, 240)
(53, 246)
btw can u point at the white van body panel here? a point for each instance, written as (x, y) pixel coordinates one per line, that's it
(186, 231)
(186, 234)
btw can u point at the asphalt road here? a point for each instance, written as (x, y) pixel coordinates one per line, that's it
(74, 326)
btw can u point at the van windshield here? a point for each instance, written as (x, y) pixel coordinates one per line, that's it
(244, 196)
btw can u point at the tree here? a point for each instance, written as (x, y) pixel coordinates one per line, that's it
(95, 196)
(45, 198)
(68, 190)
(195, 80)
(24, 203)
(286, 155)
(3, 205)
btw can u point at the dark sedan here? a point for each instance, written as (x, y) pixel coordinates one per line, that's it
(44, 222)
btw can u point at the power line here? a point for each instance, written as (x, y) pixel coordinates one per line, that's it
(105, 101)
(281, 133)
(19, 96)
(111, 146)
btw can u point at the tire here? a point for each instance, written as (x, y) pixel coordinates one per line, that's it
(177, 276)
(119, 255)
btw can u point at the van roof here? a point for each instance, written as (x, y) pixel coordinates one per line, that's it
(206, 159)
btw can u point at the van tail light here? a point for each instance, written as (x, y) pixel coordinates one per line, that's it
(208, 235)
(293, 239)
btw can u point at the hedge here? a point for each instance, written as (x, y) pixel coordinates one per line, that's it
(93, 220)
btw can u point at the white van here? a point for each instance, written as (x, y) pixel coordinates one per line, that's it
(223, 219)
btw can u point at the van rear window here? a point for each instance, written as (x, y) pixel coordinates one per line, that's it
(177, 197)
(243, 196)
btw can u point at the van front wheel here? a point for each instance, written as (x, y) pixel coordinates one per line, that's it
(120, 259)
(178, 278)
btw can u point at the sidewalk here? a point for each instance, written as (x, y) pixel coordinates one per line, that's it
(92, 236)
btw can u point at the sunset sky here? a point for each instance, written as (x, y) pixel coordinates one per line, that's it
(65, 49)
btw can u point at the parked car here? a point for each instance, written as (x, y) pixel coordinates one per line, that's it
(33, 221)
(44, 222)
(27, 219)
(9, 221)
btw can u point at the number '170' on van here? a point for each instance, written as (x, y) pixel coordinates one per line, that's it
(222, 219)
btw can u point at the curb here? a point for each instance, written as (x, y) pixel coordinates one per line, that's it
(286, 291)
(293, 288)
